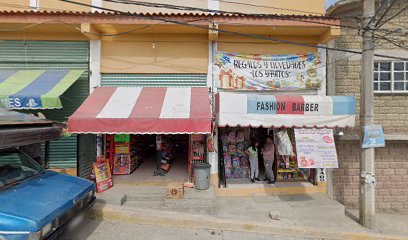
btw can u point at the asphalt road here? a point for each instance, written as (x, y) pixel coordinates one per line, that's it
(105, 230)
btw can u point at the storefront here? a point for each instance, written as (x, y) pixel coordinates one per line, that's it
(279, 99)
(51, 77)
(149, 133)
(291, 122)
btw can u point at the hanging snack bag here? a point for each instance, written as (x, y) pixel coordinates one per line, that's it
(232, 138)
(240, 136)
(232, 149)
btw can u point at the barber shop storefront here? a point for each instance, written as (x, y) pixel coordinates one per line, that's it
(281, 121)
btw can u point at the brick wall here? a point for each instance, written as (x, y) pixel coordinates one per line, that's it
(390, 170)
(390, 110)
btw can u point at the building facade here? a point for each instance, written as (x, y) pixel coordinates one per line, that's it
(390, 107)
(156, 47)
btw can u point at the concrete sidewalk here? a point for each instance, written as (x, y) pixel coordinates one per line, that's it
(304, 215)
(108, 230)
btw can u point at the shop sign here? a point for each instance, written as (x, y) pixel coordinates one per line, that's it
(103, 175)
(316, 148)
(122, 138)
(269, 104)
(373, 137)
(268, 72)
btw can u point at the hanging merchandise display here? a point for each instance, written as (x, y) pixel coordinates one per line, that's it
(284, 143)
(198, 147)
(197, 151)
(234, 143)
(288, 169)
(125, 161)
(210, 144)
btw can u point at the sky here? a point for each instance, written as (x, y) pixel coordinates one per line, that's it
(329, 3)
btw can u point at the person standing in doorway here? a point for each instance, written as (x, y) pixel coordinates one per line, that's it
(252, 152)
(268, 153)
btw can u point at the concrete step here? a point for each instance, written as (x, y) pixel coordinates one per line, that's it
(196, 221)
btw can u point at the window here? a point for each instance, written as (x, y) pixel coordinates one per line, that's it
(391, 76)
(16, 166)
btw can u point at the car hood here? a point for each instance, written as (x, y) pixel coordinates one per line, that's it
(43, 198)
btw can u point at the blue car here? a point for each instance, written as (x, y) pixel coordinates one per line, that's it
(36, 203)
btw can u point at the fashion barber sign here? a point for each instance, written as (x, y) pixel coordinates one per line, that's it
(275, 104)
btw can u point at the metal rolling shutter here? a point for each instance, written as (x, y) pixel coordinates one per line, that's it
(154, 80)
(53, 55)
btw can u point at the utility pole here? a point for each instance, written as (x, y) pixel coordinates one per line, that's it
(367, 180)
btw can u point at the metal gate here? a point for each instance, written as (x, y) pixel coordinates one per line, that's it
(154, 80)
(56, 55)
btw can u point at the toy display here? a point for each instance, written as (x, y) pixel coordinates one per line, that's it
(287, 161)
(234, 142)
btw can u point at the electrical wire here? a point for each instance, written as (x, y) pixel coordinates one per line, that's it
(186, 9)
(265, 7)
(298, 20)
(385, 12)
(377, 12)
(392, 17)
(132, 30)
(392, 41)
(205, 10)
(227, 31)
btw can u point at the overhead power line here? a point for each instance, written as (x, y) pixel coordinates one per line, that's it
(264, 6)
(373, 18)
(227, 31)
(209, 10)
(385, 12)
(392, 17)
(206, 10)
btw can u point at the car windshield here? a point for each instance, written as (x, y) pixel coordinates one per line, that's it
(16, 166)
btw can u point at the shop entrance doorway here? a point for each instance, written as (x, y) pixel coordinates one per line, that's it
(235, 166)
(135, 157)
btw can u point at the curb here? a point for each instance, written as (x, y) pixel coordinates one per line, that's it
(183, 220)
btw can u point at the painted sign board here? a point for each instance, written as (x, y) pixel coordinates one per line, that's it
(315, 148)
(268, 72)
(373, 137)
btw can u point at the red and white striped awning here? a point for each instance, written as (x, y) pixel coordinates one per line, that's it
(143, 111)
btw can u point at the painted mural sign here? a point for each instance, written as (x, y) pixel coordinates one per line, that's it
(315, 148)
(268, 72)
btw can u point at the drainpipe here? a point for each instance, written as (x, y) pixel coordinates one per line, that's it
(95, 81)
(331, 91)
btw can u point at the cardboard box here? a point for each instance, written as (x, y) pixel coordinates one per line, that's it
(175, 190)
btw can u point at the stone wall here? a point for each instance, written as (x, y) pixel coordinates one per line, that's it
(391, 174)
(390, 110)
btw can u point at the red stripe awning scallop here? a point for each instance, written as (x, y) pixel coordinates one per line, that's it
(140, 110)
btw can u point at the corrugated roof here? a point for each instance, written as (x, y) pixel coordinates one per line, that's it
(178, 14)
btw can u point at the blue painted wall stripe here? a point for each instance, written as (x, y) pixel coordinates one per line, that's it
(344, 105)
(267, 100)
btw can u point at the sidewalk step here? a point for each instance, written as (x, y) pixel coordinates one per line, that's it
(197, 221)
